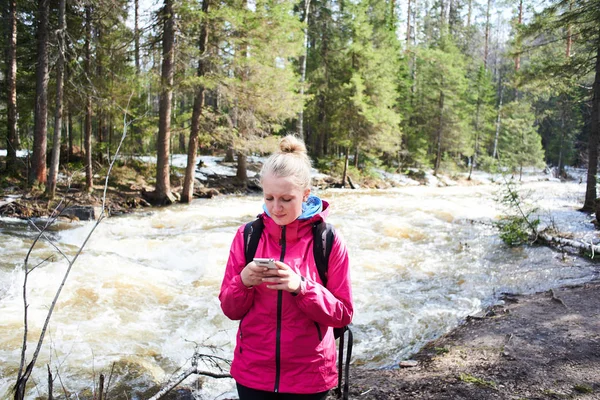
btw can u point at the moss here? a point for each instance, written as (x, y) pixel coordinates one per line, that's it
(583, 388)
(477, 381)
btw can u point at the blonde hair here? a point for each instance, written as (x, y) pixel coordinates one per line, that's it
(291, 160)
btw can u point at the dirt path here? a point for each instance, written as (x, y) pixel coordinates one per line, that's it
(540, 346)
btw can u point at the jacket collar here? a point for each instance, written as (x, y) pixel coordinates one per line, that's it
(297, 229)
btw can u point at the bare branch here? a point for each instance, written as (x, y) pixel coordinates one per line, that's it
(174, 382)
(23, 377)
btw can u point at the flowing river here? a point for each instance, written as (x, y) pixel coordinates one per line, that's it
(143, 294)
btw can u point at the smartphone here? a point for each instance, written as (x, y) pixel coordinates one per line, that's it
(265, 262)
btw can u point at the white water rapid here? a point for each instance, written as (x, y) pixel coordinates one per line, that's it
(144, 291)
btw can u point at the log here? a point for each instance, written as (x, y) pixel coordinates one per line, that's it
(350, 182)
(590, 247)
(8, 200)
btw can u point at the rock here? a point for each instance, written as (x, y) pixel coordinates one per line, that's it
(198, 183)
(206, 193)
(408, 364)
(82, 213)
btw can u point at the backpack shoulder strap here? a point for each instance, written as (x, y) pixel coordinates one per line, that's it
(323, 236)
(252, 233)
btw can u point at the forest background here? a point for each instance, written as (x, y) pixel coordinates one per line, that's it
(450, 85)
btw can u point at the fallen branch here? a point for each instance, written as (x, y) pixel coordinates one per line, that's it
(589, 247)
(174, 382)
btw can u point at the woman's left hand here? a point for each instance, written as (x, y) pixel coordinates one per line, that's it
(283, 278)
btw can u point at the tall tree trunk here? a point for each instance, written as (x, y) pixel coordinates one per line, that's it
(241, 173)
(58, 116)
(303, 57)
(438, 156)
(518, 44)
(162, 194)
(38, 161)
(476, 149)
(69, 133)
(487, 34)
(569, 34)
(87, 139)
(469, 12)
(408, 32)
(188, 183)
(11, 80)
(590, 190)
(561, 143)
(495, 150)
(136, 35)
(345, 173)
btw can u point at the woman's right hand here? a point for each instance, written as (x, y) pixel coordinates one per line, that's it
(252, 274)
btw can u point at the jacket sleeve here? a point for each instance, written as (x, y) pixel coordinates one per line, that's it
(236, 299)
(331, 305)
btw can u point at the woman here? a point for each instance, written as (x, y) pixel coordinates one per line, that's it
(285, 346)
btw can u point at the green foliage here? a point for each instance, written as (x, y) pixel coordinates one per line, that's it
(520, 143)
(519, 224)
(444, 111)
(353, 68)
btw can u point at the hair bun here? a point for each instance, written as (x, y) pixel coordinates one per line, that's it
(291, 144)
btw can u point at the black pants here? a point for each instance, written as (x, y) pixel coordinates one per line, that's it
(246, 393)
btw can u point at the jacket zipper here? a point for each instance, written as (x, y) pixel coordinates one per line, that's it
(319, 331)
(241, 336)
(279, 311)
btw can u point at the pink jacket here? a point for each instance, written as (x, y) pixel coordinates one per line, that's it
(285, 343)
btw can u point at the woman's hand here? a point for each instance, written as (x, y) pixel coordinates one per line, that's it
(282, 278)
(253, 274)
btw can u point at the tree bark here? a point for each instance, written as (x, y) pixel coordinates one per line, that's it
(38, 161)
(590, 191)
(477, 114)
(188, 183)
(162, 194)
(242, 174)
(58, 117)
(136, 35)
(11, 79)
(87, 141)
(487, 34)
(229, 155)
(408, 11)
(518, 44)
(495, 149)
(345, 173)
(438, 157)
(69, 133)
(300, 132)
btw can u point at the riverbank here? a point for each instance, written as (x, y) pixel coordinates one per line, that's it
(132, 180)
(539, 346)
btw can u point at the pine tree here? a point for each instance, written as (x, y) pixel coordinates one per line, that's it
(37, 174)
(580, 20)
(520, 143)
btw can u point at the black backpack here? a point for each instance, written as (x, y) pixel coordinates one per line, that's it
(323, 235)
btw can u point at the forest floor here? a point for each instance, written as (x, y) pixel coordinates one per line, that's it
(539, 346)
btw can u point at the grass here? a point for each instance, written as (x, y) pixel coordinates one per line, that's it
(477, 381)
